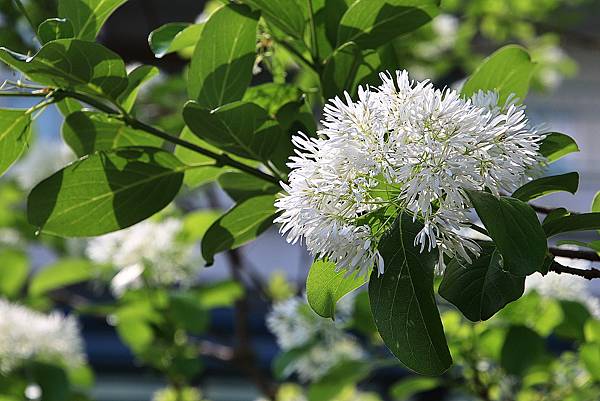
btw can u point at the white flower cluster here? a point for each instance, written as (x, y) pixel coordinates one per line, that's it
(295, 325)
(152, 248)
(29, 335)
(402, 145)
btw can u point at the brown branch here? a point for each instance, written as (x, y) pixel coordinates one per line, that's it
(575, 254)
(588, 274)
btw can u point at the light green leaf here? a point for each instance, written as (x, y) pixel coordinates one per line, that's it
(286, 15)
(135, 81)
(55, 28)
(571, 223)
(60, 274)
(105, 192)
(88, 131)
(403, 303)
(325, 286)
(508, 71)
(338, 378)
(541, 314)
(240, 186)
(482, 288)
(221, 67)
(136, 333)
(272, 96)
(242, 128)
(195, 224)
(173, 37)
(595, 207)
(590, 355)
(71, 63)
(372, 23)
(555, 146)
(546, 185)
(219, 295)
(87, 16)
(15, 133)
(13, 271)
(515, 229)
(411, 386)
(239, 225)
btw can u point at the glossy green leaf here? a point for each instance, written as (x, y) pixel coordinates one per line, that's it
(60, 274)
(325, 286)
(515, 229)
(221, 67)
(135, 80)
(173, 37)
(55, 28)
(571, 223)
(105, 192)
(403, 303)
(87, 16)
(88, 131)
(482, 288)
(407, 388)
(555, 146)
(15, 133)
(286, 15)
(519, 342)
(241, 186)
(242, 128)
(71, 63)
(508, 71)
(239, 225)
(13, 271)
(372, 23)
(546, 185)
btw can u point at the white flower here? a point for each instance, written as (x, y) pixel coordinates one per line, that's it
(29, 335)
(402, 145)
(148, 247)
(295, 325)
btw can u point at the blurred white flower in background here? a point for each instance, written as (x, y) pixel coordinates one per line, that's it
(150, 250)
(29, 335)
(323, 341)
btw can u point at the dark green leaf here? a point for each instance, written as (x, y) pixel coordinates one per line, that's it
(52, 380)
(242, 128)
(362, 319)
(325, 286)
(403, 303)
(575, 316)
(411, 386)
(13, 271)
(88, 131)
(328, 14)
(135, 80)
(15, 133)
(60, 274)
(55, 28)
(105, 192)
(372, 23)
(286, 15)
(522, 348)
(515, 229)
(507, 71)
(556, 146)
(87, 16)
(241, 224)
(340, 70)
(546, 185)
(482, 288)
(72, 63)
(572, 222)
(241, 186)
(221, 67)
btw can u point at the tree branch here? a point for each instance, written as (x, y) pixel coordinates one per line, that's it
(588, 274)
(575, 254)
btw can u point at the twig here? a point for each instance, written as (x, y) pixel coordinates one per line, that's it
(575, 254)
(588, 274)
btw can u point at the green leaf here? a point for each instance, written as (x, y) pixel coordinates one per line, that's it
(340, 70)
(555, 146)
(135, 80)
(590, 355)
(239, 225)
(508, 71)
(403, 303)
(13, 271)
(286, 15)
(337, 379)
(60, 274)
(88, 131)
(372, 23)
(482, 288)
(188, 313)
(15, 133)
(55, 28)
(515, 229)
(195, 224)
(52, 380)
(283, 361)
(137, 334)
(242, 128)
(595, 206)
(572, 222)
(519, 342)
(241, 186)
(272, 96)
(71, 63)
(575, 316)
(541, 314)
(173, 37)
(219, 295)
(105, 192)
(221, 67)
(411, 386)
(546, 185)
(198, 176)
(87, 16)
(325, 286)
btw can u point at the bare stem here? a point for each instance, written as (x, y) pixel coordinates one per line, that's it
(588, 274)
